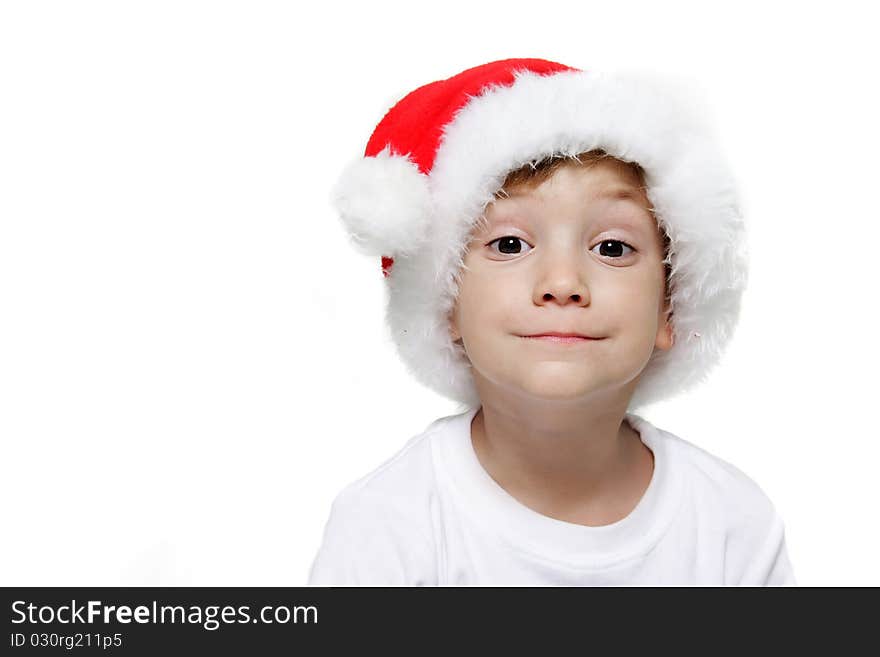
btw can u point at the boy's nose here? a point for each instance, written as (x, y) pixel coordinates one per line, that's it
(576, 298)
(563, 288)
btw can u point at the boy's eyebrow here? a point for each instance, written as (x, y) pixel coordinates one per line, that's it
(623, 193)
(614, 192)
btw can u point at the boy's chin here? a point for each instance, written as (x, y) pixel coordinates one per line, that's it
(561, 388)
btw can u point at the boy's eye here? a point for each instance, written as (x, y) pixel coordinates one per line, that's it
(613, 248)
(507, 245)
(510, 245)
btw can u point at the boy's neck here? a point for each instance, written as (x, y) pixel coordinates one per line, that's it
(578, 463)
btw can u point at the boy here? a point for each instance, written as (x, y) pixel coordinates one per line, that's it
(560, 247)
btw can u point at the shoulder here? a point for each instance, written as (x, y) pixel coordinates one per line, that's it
(380, 529)
(719, 483)
(734, 505)
(400, 484)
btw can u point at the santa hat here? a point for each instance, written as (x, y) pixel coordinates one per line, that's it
(440, 154)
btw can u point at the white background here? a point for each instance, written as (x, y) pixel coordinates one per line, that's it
(193, 360)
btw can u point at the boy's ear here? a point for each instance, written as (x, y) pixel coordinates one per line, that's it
(453, 330)
(665, 336)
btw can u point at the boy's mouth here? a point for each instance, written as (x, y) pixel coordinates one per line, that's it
(564, 338)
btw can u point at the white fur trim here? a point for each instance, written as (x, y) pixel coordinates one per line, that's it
(384, 203)
(632, 116)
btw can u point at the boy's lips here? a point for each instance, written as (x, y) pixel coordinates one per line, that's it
(557, 336)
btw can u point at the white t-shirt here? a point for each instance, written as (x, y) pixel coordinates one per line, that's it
(432, 515)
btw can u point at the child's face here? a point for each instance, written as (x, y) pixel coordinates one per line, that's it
(563, 275)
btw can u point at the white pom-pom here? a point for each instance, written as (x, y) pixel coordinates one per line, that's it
(384, 202)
